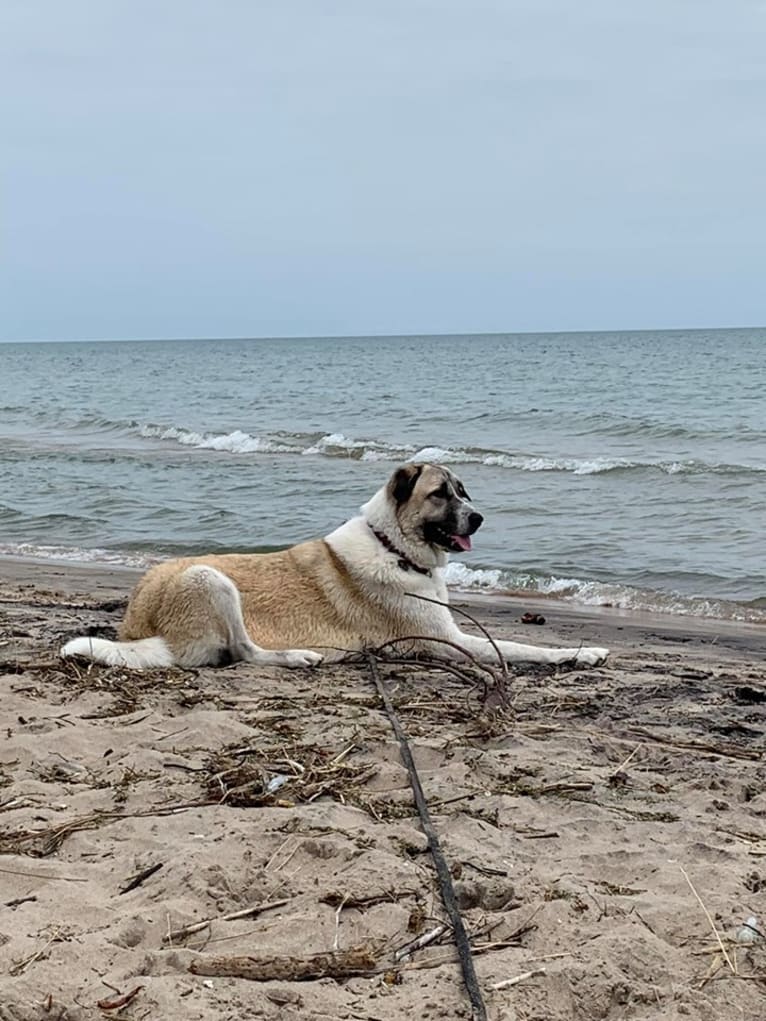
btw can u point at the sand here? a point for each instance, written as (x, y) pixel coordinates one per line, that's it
(571, 820)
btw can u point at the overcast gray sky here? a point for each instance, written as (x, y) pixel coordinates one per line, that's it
(192, 168)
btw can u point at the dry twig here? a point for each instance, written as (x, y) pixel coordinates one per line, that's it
(624, 763)
(254, 909)
(710, 920)
(140, 877)
(121, 1001)
(404, 952)
(464, 613)
(21, 966)
(338, 910)
(508, 982)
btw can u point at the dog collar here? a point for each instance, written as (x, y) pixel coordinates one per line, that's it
(404, 561)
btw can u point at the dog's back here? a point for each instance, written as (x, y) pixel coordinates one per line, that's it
(303, 596)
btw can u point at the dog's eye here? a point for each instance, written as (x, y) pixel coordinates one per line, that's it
(460, 489)
(441, 493)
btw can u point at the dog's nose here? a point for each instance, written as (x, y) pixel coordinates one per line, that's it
(474, 520)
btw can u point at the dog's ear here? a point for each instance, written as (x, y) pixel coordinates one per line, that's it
(403, 482)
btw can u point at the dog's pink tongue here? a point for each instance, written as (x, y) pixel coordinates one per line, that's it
(463, 541)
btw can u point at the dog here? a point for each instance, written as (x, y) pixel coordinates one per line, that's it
(352, 590)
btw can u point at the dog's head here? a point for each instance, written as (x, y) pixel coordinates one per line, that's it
(432, 507)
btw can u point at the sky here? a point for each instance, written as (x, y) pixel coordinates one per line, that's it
(202, 168)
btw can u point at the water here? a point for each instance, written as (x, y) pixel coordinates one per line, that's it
(621, 468)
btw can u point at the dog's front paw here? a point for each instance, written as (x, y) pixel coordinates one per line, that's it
(302, 657)
(591, 657)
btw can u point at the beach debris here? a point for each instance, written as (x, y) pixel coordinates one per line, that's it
(618, 774)
(43, 842)
(443, 874)
(18, 901)
(276, 782)
(56, 768)
(254, 909)
(749, 932)
(299, 773)
(712, 924)
(532, 618)
(58, 935)
(405, 952)
(358, 960)
(508, 982)
(349, 900)
(121, 1001)
(140, 877)
(749, 694)
(499, 676)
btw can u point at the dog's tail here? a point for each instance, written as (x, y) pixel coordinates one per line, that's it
(138, 655)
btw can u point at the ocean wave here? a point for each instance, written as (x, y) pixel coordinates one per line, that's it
(340, 445)
(70, 554)
(611, 424)
(337, 444)
(573, 465)
(236, 442)
(587, 592)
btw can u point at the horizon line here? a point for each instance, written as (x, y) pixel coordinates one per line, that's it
(375, 336)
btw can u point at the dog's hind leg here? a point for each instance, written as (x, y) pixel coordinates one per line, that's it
(203, 619)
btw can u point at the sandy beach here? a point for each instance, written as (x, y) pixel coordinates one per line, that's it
(607, 825)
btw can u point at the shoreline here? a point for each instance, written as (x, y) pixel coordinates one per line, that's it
(465, 581)
(613, 626)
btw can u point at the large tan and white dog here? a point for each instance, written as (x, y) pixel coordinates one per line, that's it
(349, 591)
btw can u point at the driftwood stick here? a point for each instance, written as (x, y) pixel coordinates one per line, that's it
(443, 873)
(563, 786)
(43, 875)
(350, 900)
(430, 640)
(18, 901)
(403, 953)
(473, 620)
(436, 961)
(254, 909)
(358, 960)
(508, 982)
(437, 664)
(140, 877)
(121, 1001)
(726, 750)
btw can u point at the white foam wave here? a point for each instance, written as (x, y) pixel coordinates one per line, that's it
(68, 554)
(334, 440)
(366, 450)
(236, 442)
(626, 597)
(581, 466)
(462, 578)
(459, 576)
(440, 455)
(594, 593)
(338, 444)
(530, 463)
